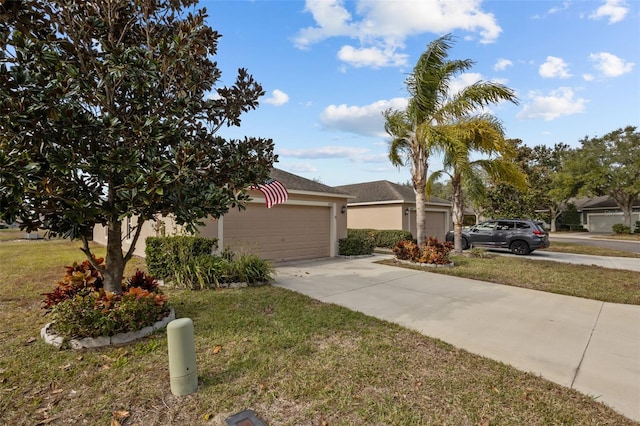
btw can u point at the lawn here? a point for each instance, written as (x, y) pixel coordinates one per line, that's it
(564, 247)
(293, 360)
(590, 282)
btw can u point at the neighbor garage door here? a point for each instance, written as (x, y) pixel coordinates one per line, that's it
(603, 222)
(283, 232)
(436, 224)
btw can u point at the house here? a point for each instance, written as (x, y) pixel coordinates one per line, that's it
(308, 225)
(386, 205)
(599, 214)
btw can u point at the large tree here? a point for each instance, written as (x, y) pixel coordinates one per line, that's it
(608, 165)
(481, 135)
(417, 131)
(551, 181)
(109, 110)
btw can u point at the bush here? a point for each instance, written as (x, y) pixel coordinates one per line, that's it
(381, 237)
(357, 245)
(169, 257)
(218, 271)
(619, 228)
(79, 306)
(431, 252)
(637, 230)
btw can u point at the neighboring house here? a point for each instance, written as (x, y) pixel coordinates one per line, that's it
(386, 205)
(308, 225)
(599, 214)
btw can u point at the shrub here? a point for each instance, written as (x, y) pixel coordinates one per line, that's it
(479, 253)
(431, 252)
(79, 306)
(355, 245)
(251, 269)
(166, 257)
(619, 228)
(406, 250)
(637, 230)
(381, 237)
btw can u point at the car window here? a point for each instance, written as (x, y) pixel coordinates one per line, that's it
(504, 225)
(523, 225)
(486, 226)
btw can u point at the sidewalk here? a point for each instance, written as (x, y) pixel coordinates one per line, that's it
(587, 345)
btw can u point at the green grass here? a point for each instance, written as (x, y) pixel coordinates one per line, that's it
(590, 282)
(563, 247)
(292, 359)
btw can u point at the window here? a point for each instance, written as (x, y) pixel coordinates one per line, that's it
(504, 225)
(486, 226)
(523, 225)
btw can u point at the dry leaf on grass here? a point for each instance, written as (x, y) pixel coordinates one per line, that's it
(217, 349)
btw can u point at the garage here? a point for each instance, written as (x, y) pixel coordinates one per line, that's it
(603, 222)
(283, 232)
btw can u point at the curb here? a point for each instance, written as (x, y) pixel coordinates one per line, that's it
(96, 342)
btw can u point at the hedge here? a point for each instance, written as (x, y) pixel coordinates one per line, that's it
(386, 238)
(355, 245)
(166, 255)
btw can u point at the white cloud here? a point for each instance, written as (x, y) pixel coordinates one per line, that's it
(371, 57)
(381, 27)
(362, 120)
(555, 104)
(554, 68)
(353, 154)
(565, 6)
(615, 10)
(502, 64)
(306, 167)
(610, 65)
(277, 98)
(587, 77)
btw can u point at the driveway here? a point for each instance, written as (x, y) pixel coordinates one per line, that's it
(587, 345)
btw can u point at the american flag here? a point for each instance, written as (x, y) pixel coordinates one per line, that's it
(274, 192)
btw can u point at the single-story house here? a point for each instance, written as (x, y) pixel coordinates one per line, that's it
(387, 205)
(599, 214)
(308, 225)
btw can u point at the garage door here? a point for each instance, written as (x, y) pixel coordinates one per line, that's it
(599, 222)
(283, 232)
(436, 222)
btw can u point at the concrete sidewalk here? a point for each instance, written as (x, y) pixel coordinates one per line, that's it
(628, 263)
(587, 345)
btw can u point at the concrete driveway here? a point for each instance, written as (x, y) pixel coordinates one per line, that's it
(587, 345)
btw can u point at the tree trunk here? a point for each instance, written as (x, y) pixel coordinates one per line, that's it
(421, 218)
(457, 214)
(419, 180)
(553, 216)
(114, 262)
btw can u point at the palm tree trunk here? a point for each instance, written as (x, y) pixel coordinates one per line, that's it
(457, 213)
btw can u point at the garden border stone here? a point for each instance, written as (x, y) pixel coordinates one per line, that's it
(95, 342)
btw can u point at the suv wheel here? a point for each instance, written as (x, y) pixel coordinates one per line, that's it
(465, 244)
(519, 247)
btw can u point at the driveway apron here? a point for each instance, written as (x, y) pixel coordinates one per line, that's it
(587, 345)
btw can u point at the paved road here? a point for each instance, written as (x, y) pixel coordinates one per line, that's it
(583, 344)
(589, 240)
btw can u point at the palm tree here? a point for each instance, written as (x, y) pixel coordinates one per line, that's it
(418, 130)
(480, 135)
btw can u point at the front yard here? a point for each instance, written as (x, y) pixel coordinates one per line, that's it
(293, 360)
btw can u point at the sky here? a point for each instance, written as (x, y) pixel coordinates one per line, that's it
(329, 68)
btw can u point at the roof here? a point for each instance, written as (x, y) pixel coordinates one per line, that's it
(384, 191)
(298, 183)
(601, 202)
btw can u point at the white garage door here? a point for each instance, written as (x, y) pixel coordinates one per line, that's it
(283, 232)
(603, 222)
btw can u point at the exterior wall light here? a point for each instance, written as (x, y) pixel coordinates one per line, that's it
(406, 212)
(343, 210)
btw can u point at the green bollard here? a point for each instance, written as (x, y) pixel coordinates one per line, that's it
(182, 357)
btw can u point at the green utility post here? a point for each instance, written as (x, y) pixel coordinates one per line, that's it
(182, 357)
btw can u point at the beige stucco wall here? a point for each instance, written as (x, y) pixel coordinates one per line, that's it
(393, 216)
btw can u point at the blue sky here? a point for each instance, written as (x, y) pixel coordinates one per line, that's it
(329, 68)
